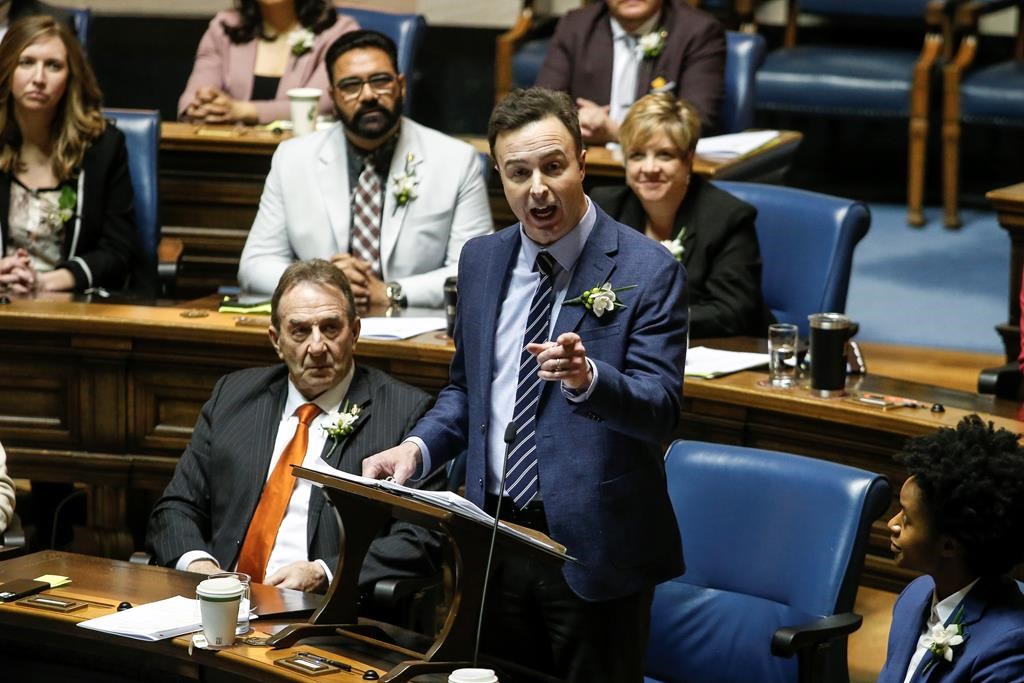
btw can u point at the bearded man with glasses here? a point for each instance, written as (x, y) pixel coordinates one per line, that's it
(388, 201)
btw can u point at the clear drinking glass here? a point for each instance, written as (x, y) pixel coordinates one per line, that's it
(245, 606)
(782, 343)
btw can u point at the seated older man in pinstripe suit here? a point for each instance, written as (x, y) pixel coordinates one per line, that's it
(233, 503)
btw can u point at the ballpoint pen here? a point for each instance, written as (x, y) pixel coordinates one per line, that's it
(333, 662)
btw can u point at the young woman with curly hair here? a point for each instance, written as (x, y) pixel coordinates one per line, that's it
(961, 523)
(252, 55)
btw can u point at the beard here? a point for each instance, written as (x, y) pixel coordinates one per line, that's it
(372, 121)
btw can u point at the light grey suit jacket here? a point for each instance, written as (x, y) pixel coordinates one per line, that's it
(218, 481)
(305, 211)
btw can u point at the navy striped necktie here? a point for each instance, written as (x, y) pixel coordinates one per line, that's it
(522, 480)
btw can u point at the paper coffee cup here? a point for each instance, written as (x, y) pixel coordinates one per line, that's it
(218, 609)
(305, 102)
(472, 676)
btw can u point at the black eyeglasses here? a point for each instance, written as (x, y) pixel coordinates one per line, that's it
(380, 84)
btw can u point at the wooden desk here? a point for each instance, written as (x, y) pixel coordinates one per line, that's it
(211, 179)
(1009, 205)
(39, 645)
(107, 395)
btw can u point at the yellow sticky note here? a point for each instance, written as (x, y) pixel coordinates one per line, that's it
(54, 580)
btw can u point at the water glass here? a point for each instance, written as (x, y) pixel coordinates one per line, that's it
(782, 343)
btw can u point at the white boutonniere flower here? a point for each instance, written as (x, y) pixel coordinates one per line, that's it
(941, 640)
(300, 41)
(403, 185)
(601, 299)
(64, 209)
(342, 423)
(675, 246)
(652, 44)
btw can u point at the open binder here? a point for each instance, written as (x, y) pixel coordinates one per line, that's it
(365, 506)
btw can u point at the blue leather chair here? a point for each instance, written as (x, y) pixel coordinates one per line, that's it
(141, 129)
(982, 94)
(807, 242)
(518, 65)
(774, 547)
(80, 18)
(407, 30)
(861, 80)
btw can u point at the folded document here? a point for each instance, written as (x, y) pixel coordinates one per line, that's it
(158, 620)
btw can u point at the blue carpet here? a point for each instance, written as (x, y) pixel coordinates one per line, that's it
(931, 286)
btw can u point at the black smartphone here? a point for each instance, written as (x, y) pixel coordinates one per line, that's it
(16, 589)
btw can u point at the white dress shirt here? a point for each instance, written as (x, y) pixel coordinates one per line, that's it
(941, 611)
(626, 58)
(292, 541)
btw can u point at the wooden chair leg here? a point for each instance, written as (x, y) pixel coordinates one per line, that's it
(918, 129)
(951, 77)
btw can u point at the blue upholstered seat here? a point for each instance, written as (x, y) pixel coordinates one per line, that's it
(863, 81)
(81, 18)
(859, 77)
(407, 30)
(772, 540)
(744, 54)
(990, 94)
(807, 241)
(141, 129)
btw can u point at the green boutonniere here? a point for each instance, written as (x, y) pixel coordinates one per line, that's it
(301, 41)
(343, 422)
(403, 185)
(653, 43)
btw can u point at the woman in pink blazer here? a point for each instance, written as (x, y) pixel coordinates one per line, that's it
(251, 56)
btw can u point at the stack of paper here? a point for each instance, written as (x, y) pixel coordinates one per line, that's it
(399, 328)
(735, 144)
(168, 618)
(707, 363)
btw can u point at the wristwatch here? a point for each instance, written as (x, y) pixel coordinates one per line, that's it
(393, 290)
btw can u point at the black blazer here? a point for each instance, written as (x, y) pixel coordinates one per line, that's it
(107, 245)
(218, 481)
(722, 259)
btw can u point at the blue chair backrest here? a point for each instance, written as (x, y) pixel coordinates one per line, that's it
(407, 30)
(80, 18)
(744, 54)
(807, 242)
(141, 129)
(895, 9)
(771, 540)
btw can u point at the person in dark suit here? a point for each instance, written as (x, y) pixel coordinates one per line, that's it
(216, 512)
(710, 231)
(608, 54)
(962, 524)
(591, 382)
(66, 202)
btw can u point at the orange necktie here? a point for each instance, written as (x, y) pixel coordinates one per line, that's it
(262, 533)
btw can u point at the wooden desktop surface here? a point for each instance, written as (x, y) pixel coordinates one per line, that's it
(43, 645)
(211, 180)
(106, 394)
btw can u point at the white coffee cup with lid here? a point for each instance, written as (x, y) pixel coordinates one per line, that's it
(304, 102)
(472, 676)
(219, 600)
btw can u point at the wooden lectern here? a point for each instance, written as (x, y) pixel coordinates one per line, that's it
(364, 511)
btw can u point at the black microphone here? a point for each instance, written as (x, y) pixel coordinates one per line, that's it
(510, 437)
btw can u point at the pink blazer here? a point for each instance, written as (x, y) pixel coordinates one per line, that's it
(222, 64)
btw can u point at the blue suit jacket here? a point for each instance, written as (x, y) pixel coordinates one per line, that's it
(993, 649)
(602, 474)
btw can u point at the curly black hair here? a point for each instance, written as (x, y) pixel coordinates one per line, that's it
(972, 482)
(315, 15)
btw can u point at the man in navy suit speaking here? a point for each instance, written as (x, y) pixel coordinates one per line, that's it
(572, 327)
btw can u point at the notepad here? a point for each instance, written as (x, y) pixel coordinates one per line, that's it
(735, 144)
(158, 620)
(707, 363)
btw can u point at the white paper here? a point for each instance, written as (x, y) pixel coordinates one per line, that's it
(446, 500)
(394, 329)
(704, 362)
(158, 620)
(734, 144)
